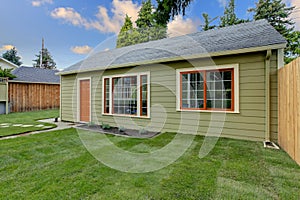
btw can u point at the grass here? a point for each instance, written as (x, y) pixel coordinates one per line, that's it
(26, 118)
(56, 165)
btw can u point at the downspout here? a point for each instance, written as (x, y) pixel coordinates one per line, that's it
(267, 95)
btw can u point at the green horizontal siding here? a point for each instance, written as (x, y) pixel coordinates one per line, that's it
(248, 124)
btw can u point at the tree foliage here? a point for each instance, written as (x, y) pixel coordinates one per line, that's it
(147, 28)
(278, 15)
(47, 60)
(168, 9)
(11, 55)
(6, 73)
(207, 22)
(229, 18)
(127, 33)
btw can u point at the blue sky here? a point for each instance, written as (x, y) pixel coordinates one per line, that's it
(73, 28)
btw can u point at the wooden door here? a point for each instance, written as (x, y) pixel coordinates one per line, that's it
(85, 101)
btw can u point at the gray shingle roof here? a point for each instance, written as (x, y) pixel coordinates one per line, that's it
(243, 36)
(35, 75)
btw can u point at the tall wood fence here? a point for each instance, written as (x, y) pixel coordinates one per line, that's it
(289, 109)
(33, 96)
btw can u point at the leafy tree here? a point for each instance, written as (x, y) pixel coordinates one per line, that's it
(11, 55)
(207, 22)
(229, 18)
(47, 60)
(168, 9)
(7, 73)
(278, 15)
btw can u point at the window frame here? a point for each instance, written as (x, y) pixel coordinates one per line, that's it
(235, 87)
(139, 92)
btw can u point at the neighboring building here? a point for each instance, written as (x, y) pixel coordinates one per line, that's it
(221, 81)
(5, 64)
(34, 89)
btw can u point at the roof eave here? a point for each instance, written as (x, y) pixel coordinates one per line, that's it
(177, 58)
(7, 61)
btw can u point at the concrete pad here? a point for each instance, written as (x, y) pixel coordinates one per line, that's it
(39, 126)
(5, 124)
(17, 125)
(28, 125)
(47, 127)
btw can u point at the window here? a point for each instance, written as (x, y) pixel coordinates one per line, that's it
(208, 89)
(144, 95)
(126, 95)
(106, 95)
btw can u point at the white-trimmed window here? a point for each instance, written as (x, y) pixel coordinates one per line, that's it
(126, 95)
(208, 89)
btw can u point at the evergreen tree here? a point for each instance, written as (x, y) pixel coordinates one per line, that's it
(293, 48)
(127, 34)
(11, 55)
(278, 15)
(146, 25)
(207, 22)
(229, 18)
(47, 60)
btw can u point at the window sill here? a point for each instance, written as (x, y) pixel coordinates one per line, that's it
(210, 111)
(129, 116)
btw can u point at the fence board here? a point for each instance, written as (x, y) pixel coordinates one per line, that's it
(289, 109)
(33, 96)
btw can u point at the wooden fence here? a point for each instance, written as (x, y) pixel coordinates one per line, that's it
(289, 109)
(33, 96)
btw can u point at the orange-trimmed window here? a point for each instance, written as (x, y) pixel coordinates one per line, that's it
(207, 90)
(126, 95)
(106, 95)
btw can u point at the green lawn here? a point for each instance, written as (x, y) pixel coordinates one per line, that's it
(56, 165)
(25, 118)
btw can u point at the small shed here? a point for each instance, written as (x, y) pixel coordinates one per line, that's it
(219, 82)
(33, 89)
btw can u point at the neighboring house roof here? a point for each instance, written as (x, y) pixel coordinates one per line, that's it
(35, 75)
(247, 37)
(10, 63)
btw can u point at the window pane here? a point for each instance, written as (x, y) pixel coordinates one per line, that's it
(106, 95)
(219, 90)
(227, 75)
(192, 90)
(124, 95)
(144, 96)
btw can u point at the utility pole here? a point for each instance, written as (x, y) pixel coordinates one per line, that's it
(42, 53)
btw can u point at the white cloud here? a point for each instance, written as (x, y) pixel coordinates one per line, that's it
(38, 3)
(180, 26)
(69, 15)
(6, 47)
(105, 22)
(222, 3)
(81, 49)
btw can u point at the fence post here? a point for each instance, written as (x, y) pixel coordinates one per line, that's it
(7, 96)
